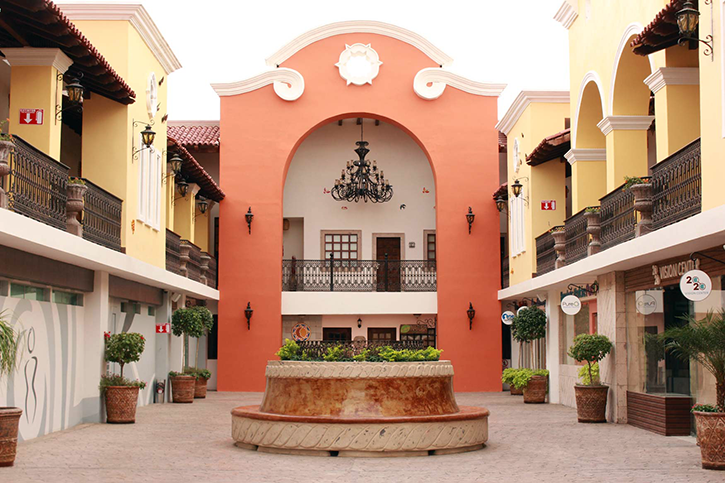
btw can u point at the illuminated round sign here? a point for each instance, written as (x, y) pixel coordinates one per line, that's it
(695, 285)
(301, 332)
(507, 317)
(521, 309)
(571, 305)
(646, 304)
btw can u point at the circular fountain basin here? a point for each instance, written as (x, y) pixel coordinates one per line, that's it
(360, 409)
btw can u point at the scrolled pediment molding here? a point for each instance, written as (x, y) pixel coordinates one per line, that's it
(288, 84)
(429, 84)
(566, 15)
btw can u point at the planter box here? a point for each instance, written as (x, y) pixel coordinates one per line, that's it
(665, 415)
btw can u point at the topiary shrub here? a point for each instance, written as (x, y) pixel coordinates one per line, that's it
(584, 375)
(124, 348)
(590, 348)
(187, 323)
(529, 325)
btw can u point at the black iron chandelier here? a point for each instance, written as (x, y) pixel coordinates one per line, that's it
(361, 179)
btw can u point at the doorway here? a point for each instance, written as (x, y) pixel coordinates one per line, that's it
(388, 258)
(337, 334)
(677, 371)
(381, 334)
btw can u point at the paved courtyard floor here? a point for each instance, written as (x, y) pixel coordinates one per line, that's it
(192, 442)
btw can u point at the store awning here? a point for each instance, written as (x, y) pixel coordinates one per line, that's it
(552, 147)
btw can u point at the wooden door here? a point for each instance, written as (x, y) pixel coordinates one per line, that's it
(337, 334)
(381, 334)
(388, 273)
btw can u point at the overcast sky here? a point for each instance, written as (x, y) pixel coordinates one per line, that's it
(516, 42)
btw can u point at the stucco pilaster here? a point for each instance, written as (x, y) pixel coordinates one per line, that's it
(612, 323)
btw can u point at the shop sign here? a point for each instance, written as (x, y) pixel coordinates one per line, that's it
(646, 304)
(523, 307)
(674, 270)
(507, 317)
(585, 291)
(571, 305)
(163, 328)
(695, 285)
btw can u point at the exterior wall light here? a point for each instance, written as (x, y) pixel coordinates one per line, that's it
(500, 204)
(75, 97)
(469, 218)
(147, 137)
(516, 188)
(248, 314)
(687, 20)
(182, 187)
(359, 323)
(176, 163)
(202, 203)
(249, 216)
(471, 314)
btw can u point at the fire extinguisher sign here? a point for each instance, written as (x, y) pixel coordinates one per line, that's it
(31, 116)
(548, 205)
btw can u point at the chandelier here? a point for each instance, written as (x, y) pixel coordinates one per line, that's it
(361, 179)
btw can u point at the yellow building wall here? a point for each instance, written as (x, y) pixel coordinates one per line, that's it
(545, 182)
(201, 230)
(126, 51)
(184, 215)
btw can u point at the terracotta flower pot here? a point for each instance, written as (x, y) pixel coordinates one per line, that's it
(121, 404)
(591, 403)
(6, 148)
(711, 435)
(535, 390)
(182, 389)
(9, 420)
(200, 388)
(516, 391)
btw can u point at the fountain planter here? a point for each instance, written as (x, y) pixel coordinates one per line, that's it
(643, 204)
(535, 390)
(711, 438)
(183, 388)
(200, 388)
(367, 409)
(121, 404)
(591, 403)
(9, 420)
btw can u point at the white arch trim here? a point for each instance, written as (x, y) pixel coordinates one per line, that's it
(632, 29)
(439, 79)
(590, 76)
(359, 26)
(288, 84)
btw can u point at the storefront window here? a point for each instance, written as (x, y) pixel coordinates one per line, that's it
(572, 325)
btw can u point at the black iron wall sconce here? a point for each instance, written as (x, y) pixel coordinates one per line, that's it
(501, 204)
(202, 203)
(471, 314)
(359, 323)
(147, 137)
(248, 314)
(182, 186)
(75, 96)
(469, 218)
(249, 217)
(687, 20)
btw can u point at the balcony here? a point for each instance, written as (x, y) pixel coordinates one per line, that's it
(358, 275)
(37, 187)
(188, 260)
(676, 195)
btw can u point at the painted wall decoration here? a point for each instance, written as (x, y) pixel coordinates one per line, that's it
(301, 332)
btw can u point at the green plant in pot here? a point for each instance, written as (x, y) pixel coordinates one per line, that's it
(185, 323)
(591, 395)
(202, 375)
(120, 393)
(507, 377)
(10, 342)
(528, 326)
(703, 341)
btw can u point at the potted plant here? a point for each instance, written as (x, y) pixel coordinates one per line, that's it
(202, 375)
(534, 384)
(591, 395)
(185, 322)
(703, 341)
(9, 416)
(507, 377)
(182, 387)
(594, 229)
(642, 190)
(120, 393)
(559, 235)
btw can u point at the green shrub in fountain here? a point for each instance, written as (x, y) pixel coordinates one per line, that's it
(291, 351)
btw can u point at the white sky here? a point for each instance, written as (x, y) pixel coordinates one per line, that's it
(509, 41)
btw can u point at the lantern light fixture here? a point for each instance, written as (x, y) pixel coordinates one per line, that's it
(516, 188)
(470, 216)
(176, 163)
(249, 216)
(687, 20)
(75, 96)
(471, 314)
(202, 203)
(148, 136)
(359, 323)
(248, 314)
(182, 187)
(500, 204)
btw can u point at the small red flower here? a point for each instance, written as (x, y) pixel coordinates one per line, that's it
(106, 335)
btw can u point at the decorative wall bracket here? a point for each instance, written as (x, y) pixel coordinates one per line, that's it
(429, 84)
(288, 84)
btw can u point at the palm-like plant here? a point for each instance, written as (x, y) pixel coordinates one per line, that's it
(702, 341)
(9, 346)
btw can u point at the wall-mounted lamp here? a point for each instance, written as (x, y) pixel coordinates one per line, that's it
(471, 314)
(469, 218)
(500, 204)
(359, 323)
(75, 96)
(248, 314)
(182, 187)
(687, 20)
(516, 188)
(147, 137)
(202, 203)
(176, 163)
(249, 216)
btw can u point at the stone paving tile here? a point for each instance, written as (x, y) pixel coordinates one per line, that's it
(192, 442)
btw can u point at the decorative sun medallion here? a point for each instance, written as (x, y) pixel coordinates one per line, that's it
(359, 64)
(301, 332)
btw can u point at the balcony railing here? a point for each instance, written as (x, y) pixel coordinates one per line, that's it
(505, 272)
(102, 217)
(545, 254)
(358, 276)
(676, 186)
(618, 218)
(186, 259)
(36, 185)
(173, 252)
(577, 239)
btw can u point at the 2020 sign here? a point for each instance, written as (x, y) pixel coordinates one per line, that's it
(695, 285)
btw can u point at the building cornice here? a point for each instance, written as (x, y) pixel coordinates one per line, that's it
(625, 123)
(430, 83)
(288, 84)
(672, 76)
(138, 17)
(523, 100)
(575, 155)
(31, 56)
(359, 26)
(566, 15)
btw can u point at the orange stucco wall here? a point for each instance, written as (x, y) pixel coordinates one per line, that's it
(259, 135)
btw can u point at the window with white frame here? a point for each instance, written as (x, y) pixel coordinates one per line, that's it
(518, 226)
(149, 187)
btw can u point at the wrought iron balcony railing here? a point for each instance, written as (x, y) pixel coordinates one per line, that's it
(358, 275)
(577, 239)
(676, 186)
(545, 253)
(102, 217)
(186, 259)
(618, 217)
(505, 272)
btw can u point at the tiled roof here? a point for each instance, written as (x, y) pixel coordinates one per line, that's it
(662, 32)
(552, 147)
(40, 23)
(502, 191)
(195, 134)
(194, 172)
(502, 142)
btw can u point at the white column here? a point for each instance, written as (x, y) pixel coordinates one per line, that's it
(552, 344)
(161, 346)
(95, 323)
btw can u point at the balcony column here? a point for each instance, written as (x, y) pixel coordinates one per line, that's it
(184, 214)
(35, 84)
(588, 177)
(677, 107)
(626, 147)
